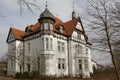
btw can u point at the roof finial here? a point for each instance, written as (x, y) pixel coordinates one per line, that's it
(73, 7)
(46, 4)
(73, 13)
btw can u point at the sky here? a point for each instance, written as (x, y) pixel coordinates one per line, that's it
(10, 16)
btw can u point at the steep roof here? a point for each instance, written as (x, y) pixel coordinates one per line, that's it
(46, 14)
(68, 28)
(18, 34)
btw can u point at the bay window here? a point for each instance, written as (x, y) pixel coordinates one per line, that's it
(48, 43)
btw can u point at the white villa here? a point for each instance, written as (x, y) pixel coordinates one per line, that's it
(51, 46)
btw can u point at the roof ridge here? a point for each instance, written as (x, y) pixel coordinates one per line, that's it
(17, 29)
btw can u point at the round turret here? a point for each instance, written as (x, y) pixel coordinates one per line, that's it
(46, 14)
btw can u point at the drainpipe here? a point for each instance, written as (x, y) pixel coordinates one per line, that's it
(68, 56)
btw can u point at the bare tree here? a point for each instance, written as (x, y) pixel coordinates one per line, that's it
(16, 55)
(103, 27)
(31, 5)
(28, 4)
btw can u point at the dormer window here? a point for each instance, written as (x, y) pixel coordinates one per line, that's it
(61, 29)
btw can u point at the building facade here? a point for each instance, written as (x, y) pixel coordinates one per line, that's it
(51, 46)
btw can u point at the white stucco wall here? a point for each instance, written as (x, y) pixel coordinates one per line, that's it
(49, 65)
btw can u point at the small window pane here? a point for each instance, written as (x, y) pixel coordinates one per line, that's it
(80, 61)
(47, 44)
(59, 67)
(80, 66)
(51, 27)
(28, 44)
(63, 66)
(59, 46)
(28, 66)
(51, 43)
(41, 26)
(45, 25)
(61, 29)
(86, 51)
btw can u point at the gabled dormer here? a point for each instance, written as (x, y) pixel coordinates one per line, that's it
(15, 34)
(79, 26)
(61, 29)
(10, 37)
(28, 30)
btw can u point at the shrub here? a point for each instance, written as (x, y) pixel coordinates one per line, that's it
(27, 75)
(34, 74)
(18, 75)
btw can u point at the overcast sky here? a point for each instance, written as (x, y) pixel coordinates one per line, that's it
(10, 16)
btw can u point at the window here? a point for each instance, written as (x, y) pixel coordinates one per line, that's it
(45, 25)
(74, 34)
(86, 64)
(78, 49)
(79, 36)
(38, 60)
(51, 43)
(61, 46)
(61, 29)
(61, 63)
(28, 44)
(86, 50)
(41, 27)
(51, 27)
(11, 63)
(28, 67)
(46, 43)
(80, 64)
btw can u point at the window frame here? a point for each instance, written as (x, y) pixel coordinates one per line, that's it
(28, 45)
(80, 64)
(51, 43)
(61, 63)
(51, 27)
(46, 43)
(61, 46)
(86, 64)
(61, 29)
(46, 26)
